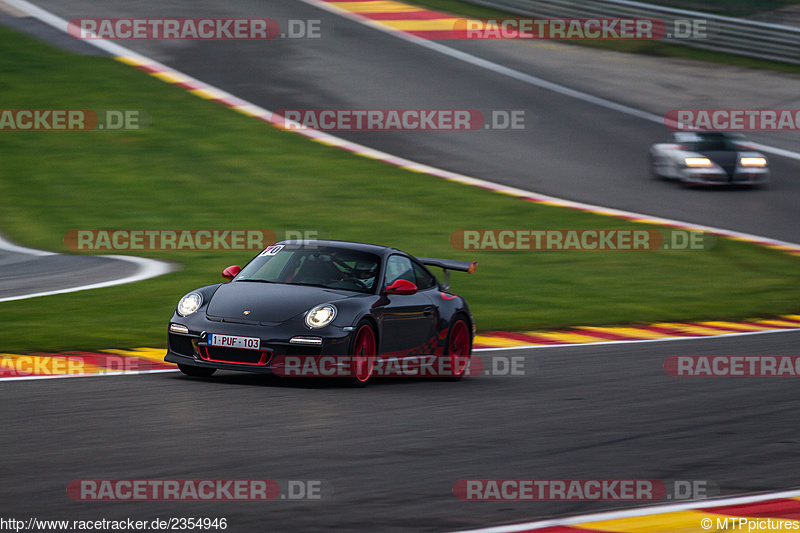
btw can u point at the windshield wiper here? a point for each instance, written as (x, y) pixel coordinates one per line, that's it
(256, 280)
(311, 285)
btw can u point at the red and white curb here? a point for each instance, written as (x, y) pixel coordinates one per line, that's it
(686, 517)
(665, 331)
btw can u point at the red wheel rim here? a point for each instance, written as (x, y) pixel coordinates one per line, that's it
(364, 353)
(458, 347)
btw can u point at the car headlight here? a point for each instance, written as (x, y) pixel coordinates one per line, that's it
(753, 162)
(320, 316)
(697, 162)
(190, 303)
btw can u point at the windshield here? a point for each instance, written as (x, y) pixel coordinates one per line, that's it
(709, 142)
(334, 268)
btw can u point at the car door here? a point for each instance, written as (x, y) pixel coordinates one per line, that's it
(408, 319)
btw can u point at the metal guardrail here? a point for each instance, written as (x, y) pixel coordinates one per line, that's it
(761, 40)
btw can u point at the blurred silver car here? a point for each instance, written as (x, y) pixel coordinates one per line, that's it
(709, 158)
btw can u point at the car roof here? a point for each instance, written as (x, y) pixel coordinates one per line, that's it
(344, 245)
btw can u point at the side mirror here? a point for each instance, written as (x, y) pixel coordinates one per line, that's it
(401, 286)
(231, 272)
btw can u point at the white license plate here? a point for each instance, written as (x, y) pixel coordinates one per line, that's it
(233, 341)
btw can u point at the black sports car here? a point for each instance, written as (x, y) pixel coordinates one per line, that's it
(362, 303)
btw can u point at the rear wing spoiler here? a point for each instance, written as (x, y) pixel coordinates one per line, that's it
(447, 265)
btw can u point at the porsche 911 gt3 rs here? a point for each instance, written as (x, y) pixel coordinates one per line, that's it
(709, 158)
(324, 298)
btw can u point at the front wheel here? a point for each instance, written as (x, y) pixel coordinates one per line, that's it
(196, 371)
(363, 355)
(457, 351)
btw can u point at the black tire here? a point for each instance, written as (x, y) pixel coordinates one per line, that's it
(196, 371)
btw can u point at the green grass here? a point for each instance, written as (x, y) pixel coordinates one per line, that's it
(201, 165)
(644, 47)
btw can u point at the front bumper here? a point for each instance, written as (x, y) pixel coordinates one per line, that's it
(192, 348)
(742, 176)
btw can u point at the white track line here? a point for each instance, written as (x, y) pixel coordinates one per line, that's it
(9, 247)
(633, 513)
(148, 268)
(92, 375)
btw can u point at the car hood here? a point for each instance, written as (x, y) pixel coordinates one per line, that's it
(268, 302)
(727, 159)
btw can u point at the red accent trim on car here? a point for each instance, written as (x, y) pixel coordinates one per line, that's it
(266, 356)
